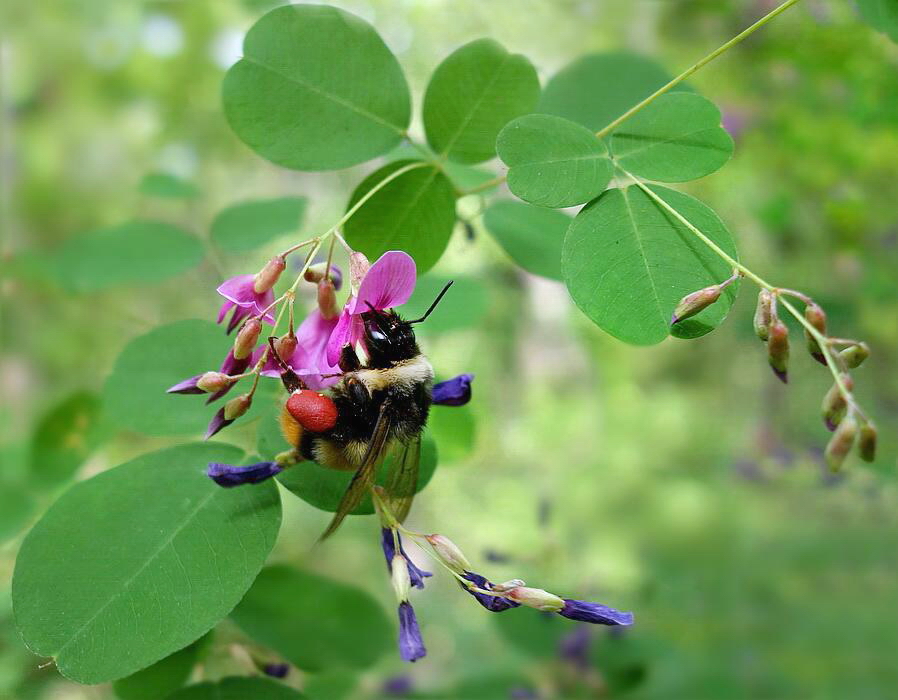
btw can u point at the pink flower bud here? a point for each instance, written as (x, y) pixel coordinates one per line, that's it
(214, 381)
(536, 598)
(693, 303)
(236, 407)
(315, 273)
(327, 300)
(855, 355)
(268, 276)
(402, 582)
(834, 404)
(763, 314)
(867, 442)
(358, 268)
(285, 346)
(815, 316)
(841, 442)
(778, 349)
(246, 339)
(449, 553)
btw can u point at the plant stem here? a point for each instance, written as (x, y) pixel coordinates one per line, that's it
(695, 67)
(498, 180)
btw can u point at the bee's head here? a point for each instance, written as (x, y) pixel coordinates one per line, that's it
(388, 338)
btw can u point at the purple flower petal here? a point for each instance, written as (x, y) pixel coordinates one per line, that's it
(594, 612)
(389, 282)
(349, 330)
(411, 646)
(490, 602)
(188, 386)
(217, 423)
(238, 290)
(232, 367)
(240, 293)
(276, 670)
(397, 686)
(415, 574)
(228, 475)
(453, 392)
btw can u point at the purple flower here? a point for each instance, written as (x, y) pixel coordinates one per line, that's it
(397, 686)
(188, 386)
(276, 670)
(415, 574)
(389, 282)
(228, 475)
(453, 392)
(411, 646)
(309, 360)
(574, 647)
(232, 367)
(240, 295)
(594, 612)
(490, 602)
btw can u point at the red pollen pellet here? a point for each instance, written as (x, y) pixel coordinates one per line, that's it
(313, 411)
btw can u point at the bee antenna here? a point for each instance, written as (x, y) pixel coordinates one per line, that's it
(435, 302)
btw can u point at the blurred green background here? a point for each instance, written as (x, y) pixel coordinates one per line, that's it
(681, 481)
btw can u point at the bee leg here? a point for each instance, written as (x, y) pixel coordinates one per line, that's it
(290, 379)
(349, 361)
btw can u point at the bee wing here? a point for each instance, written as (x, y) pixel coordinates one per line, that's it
(402, 481)
(364, 477)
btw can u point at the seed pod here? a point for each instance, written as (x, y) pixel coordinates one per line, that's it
(246, 339)
(214, 381)
(268, 276)
(763, 314)
(840, 443)
(327, 300)
(778, 349)
(536, 598)
(815, 316)
(834, 404)
(450, 554)
(236, 407)
(867, 442)
(692, 303)
(855, 355)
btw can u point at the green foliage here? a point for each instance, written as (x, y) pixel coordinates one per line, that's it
(16, 506)
(553, 162)
(676, 138)
(454, 429)
(882, 15)
(531, 235)
(64, 438)
(154, 555)
(415, 213)
(134, 253)
(237, 688)
(627, 262)
(464, 305)
(249, 225)
(323, 488)
(597, 88)
(472, 94)
(167, 186)
(316, 89)
(334, 684)
(312, 621)
(134, 395)
(162, 678)
(533, 632)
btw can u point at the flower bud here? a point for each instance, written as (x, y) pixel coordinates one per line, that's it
(246, 339)
(536, 598)
(327, 300)
(508, 585)
(358, 268)
(763, 314)
(778, 349)
(236, 407)
(692, 303)
(214, 381)
(450, 554)
(315, 273)
(855, 355)
(840, 443)
(402, 582)
(268, 276)
(285, 346)
(834, 404)
(815, 316)
(866, 444)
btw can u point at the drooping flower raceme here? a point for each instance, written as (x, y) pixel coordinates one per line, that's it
(250, 295)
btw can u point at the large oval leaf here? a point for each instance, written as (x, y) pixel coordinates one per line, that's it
(316, 89)
(162, 678)
(237, 688)
(167, 186)
(531, 235)
(472, 94)
(678, 137)
(553, 162)
(597, 88)
(249, 225)
(882, 15)
(463, 307)
(627, 262)
(415, 213)
(312, 621)
(64, 438)
(135, 253)
(140, 561)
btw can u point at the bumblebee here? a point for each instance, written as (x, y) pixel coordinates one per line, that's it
(379, 406)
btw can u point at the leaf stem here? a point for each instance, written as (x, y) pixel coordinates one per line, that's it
(695, 67)
(498, 180)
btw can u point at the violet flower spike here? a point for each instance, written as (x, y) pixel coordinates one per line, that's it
(453, 392)
(595, 613)
(415, 574)
(228, 475)
(232, 367)
(240, 296)
(491, 603)
(411, 645)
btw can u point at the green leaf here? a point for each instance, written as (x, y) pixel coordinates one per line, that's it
(472, 94)
(134, 253)
(627, 262)
(532, 236)
(167, 186)
(134, 395)
(464, 305)
(163, 677)
(312, 621)
(64, 438)
(249, 225)
(532, 632)
(882, 15)
(139, 561)
(323, 488)
(678, 137)
(553, 162)
(597, 88)
(16, 506)
(415, 213)
(236, 688)
(316, 89)
(334, 684)
(454, 429)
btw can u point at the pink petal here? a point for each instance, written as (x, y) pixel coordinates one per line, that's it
(390, 282)
(338, 337)
(239, 290)
(223, 311)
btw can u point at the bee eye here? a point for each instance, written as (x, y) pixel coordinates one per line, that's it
(376, 334)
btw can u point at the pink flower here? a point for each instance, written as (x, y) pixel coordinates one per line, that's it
(309, 360)
(389, 282)
(240, 294)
